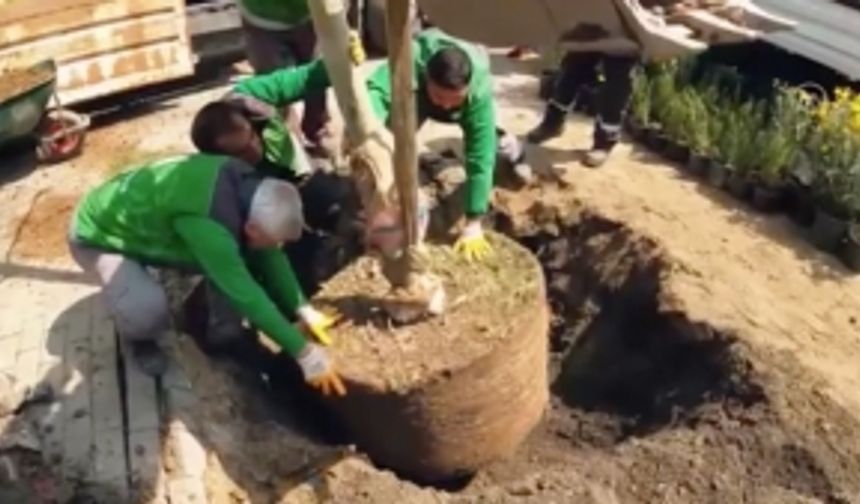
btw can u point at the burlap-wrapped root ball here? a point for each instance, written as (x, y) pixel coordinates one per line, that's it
(445, 396)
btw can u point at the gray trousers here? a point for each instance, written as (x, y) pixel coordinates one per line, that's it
(270, 50)
(137, 302)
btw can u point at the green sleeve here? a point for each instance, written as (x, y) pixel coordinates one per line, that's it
(283, 87)
(479, 138)
(276, 273)
(379, 90)
(221, 260)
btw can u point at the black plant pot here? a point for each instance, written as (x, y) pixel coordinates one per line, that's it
(697, 165)
(648, 135)
(849, 252)
(659, 143)
(801, 204)
(739, 186)
(718, 174)
(635, 129)
(652, 136)
(768, 199)
(828, 231)
(677, 152)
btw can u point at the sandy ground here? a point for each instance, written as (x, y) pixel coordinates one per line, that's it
(702, 353)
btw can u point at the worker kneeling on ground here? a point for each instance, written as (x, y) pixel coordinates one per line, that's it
(206, 213)
(453, 85)
(247, 124)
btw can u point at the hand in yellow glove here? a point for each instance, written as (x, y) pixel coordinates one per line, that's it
(356, 48)
(473, 244)
(317, 323)
(319, 371)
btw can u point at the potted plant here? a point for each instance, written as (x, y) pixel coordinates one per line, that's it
(725, 127)
(792, 114)
(699, 133)
(639, 119)
(744, 154)
(774, 151)
(799, 198)
(836, 199)
(675, 122)
(835, 147)
(663, 94)
(849, 252)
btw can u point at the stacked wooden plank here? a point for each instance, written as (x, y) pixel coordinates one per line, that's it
(101, 47)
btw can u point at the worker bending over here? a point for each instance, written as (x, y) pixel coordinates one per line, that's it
(452, 84)
(247, 124)
(279, 34)
(578, 69)
(205, 213)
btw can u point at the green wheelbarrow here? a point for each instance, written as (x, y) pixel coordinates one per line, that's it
(24, 98)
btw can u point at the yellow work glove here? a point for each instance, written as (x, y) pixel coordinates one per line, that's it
(356, 48)
(319, 372)
(473, 244)
(317, 323)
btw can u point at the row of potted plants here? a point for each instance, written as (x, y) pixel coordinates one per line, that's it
(797, 151)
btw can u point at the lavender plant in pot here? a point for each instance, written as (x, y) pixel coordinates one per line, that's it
(699, 131)
(748, 123)
(663, 95)
(727, 145)
(639, 119)
(673, 122)
(774, 152)
(792, 113)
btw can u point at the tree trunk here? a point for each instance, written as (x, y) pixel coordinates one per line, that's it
(403, 122)
(370, 143)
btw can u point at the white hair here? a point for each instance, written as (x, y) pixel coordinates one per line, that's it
(276, 209)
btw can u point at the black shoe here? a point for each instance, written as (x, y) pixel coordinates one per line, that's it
(148, 357)
(551, 126)
(600, 151)
(595, 158)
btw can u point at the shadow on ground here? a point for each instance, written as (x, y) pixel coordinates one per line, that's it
(17, 160)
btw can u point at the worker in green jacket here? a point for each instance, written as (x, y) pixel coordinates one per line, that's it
(207, 213)
(452, 84)
(279, 34)
(247, 124)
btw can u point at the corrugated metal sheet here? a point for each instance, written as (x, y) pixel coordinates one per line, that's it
(827, 32)
(100, 46)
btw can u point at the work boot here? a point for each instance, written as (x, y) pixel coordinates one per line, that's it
(551, 126)
(595, 158)
(149, 357)
(605, 139)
